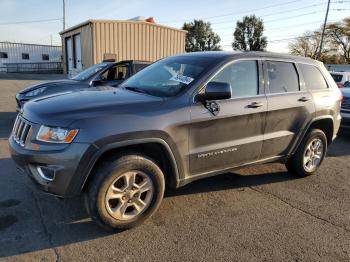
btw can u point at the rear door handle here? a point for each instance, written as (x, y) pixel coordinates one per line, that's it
(255, 105)
(304, 99)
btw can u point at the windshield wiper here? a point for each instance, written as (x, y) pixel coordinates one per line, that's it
(136, 89)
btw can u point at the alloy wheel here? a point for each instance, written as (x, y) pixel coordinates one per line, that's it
(313, 154)
(129, 195)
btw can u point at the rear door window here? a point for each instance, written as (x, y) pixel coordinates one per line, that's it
(312, 77)
(118, 72)
(282, 77)
(139, 67)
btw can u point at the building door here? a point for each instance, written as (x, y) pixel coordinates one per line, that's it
(77, 54)
(69, 52)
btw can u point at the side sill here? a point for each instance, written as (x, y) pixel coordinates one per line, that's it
(192, 178)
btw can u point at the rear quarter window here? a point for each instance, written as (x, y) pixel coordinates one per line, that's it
(312, 77)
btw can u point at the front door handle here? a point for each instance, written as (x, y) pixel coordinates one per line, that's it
(304, 99)
(255, 105)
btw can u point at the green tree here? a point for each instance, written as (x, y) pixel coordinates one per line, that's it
(200, 37)
(248, 35)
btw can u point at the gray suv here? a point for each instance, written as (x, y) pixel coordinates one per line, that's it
(181, 119)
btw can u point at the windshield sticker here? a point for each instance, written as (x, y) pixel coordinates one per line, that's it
(182, 79)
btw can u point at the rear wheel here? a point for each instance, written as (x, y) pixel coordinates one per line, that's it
(310, 154)
(125, 192)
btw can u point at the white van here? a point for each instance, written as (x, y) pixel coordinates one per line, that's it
(340, 78)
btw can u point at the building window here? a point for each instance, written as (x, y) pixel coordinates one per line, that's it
(3, 55)
(25, 56)
(46, 57)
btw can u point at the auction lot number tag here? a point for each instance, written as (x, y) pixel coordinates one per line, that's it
(182, 79)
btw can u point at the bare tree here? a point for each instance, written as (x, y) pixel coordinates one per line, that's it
(307, 45)
(339, 34)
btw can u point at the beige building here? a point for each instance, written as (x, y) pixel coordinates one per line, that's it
(94, 40)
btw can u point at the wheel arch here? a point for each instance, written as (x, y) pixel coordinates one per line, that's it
(324, 123)
(155, 148)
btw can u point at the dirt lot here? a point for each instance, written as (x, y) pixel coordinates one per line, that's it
(254, 214)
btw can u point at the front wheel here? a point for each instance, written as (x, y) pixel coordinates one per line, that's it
(310, 154)
(125, 192)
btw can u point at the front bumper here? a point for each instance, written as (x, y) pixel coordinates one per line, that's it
(67, 167)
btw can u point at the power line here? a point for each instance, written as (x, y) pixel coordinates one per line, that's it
(291, 38)
(236, 13)
(31, 21)
(279, 19)
(272, 14)
(283, 27)
(293, 26)
(285, 39)
(247, 11)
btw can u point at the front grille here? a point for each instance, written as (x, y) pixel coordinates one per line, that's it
(346, 103)
(20, 131)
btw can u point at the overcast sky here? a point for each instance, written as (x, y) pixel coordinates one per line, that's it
(284, 19)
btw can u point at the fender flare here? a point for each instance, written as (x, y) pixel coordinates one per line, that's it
(306, 129)
(137, 141)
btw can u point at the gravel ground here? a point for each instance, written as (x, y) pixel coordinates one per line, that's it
(259, 213)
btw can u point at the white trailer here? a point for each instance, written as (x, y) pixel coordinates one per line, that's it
(18, 53)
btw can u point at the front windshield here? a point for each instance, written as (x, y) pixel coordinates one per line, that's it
(87, 73)
(169, 76)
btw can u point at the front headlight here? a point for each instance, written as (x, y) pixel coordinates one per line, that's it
(35, 92)
(56, 134)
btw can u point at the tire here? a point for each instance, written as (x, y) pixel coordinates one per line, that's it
(303, 154)
(120, 207)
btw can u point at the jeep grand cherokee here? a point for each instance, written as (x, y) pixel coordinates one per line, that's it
(183, 118)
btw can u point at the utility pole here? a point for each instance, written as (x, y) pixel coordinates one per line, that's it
(323, 30)
(64, 15)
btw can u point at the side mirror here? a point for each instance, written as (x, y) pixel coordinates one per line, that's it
(346, 84)
(216, 91)
(96, 81)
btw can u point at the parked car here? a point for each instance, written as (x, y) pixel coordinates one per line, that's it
(107, 73)
(345, 108)
(340, 78)
(181, 119)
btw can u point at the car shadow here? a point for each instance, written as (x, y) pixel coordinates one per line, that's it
(229, 181)
(6, 122)
(66, 221)
(341, 145)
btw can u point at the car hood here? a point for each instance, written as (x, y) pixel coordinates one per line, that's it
(345, 91)
(48, 84)
(63, 109)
